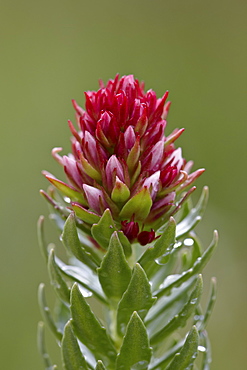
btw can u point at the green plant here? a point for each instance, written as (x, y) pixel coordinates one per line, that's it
(127, 223)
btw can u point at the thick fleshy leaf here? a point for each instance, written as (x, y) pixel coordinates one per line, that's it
(162, 244)
(114, 272)
(194, 216)
(210, 305)
(103, 230)
(181, 318)
(166, 307)
(72, 243)
(89, 330)
(120, 193)
(56, 279)
(88, 281)
(139, 206)
(137, 297)
(67, 190)
(135, 352)
(186, 358)
(100, 366)
(205, 348)
(84, 276)
(197, 267)
(41, 346)
(89, 170)
(41, 239)
(162, 361)
(84, 214)
(73, 359)
(46, 313)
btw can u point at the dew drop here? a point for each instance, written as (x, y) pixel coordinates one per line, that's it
(202, 349)
(188, 242)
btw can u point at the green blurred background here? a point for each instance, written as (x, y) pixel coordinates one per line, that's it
(52, 51)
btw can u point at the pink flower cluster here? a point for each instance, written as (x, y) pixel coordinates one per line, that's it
(121, 159)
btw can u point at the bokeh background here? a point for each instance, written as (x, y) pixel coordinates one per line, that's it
(52, 51)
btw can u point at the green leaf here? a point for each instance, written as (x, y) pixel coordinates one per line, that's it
(162, 244)
(86, 278)
(197, 267)
(137, 297)
(41, 346)
(41, 239)
(56, 279)
(114, 272)
(67, 190)
(125, 244)
(84, 214)
(166, 307)
(181, 318)
(162, 361)
(100, 366)
(46, 313)
(103, 230)
(71, 241)
(89, 330)
(139, 205)
(210, 305)
(186, 357)
(135, 352)
(120, 193)
(194, 216)
(207, 358)
(72, 356)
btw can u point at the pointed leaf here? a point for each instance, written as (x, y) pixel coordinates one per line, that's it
(89, 330)
(167, 306)
(56, 279)
(67, 190)
(135, 352)
(206, 347)
(71, 241)
(181, 318)
(137, 297)
(100, 366)
(125, 244)
(139, 205)
(194, 216)
(188, 353)
(103, 230)
(210, 305)
(162, 361)
(41, 239)
(41, 346)
(46, 313)
(120, 193)
(88, 281)
(195, 269)
(84, 214)
(162, 244)
(114, 272)
(72, 356)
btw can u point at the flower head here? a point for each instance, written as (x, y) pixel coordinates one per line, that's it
(122, 161)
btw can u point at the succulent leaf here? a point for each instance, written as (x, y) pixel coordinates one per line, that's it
(126, 258)
(137, 297)
(89, 330)
(46, 313)
(71, 354)
(135, 352)
(72, 243)
(56, 279)
(114, 272)
(186, 358)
